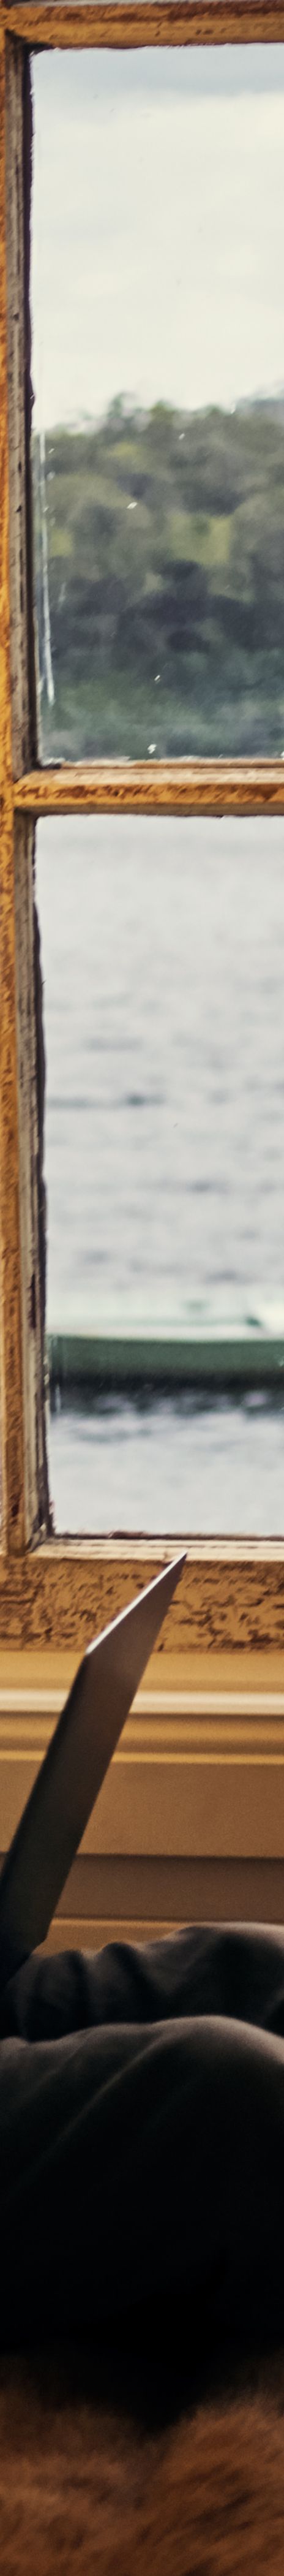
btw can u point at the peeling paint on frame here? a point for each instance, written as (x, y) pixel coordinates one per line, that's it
(231, 1598)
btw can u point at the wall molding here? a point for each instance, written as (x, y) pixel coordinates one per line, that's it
(197, 1780)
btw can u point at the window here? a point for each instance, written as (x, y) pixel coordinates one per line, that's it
(53, 1592)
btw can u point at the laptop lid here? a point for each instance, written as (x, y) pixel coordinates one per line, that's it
(74, 1767)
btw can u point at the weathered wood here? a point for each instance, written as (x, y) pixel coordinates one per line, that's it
(13, 1494)
(23, 1422)
(154, 787)
(150, 22)
(231, 1596)
(16, 371)
(31, 1189)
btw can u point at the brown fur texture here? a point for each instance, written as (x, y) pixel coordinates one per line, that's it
(85, 2493)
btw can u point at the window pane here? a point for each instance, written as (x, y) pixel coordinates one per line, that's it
(158, 367)
(162, 948)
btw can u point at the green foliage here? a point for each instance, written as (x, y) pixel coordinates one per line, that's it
(165, 539)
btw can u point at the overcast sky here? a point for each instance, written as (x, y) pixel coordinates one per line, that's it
(158, 228)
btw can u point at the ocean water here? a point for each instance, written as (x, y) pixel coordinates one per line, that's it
(163, 955)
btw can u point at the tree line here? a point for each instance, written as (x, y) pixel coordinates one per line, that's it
(161, 537)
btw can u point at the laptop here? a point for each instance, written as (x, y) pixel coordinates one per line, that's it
(74, 1767)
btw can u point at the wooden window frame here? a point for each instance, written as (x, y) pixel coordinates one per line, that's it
(54, 1593)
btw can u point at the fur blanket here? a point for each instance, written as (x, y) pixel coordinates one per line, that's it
(85, 2492)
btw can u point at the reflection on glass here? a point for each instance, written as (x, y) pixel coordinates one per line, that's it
(158, 367)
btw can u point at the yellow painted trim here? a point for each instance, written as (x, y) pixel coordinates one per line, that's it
(62, 1594)
(160, 22)
(185, 1781)
(180, 787)
(12, 1423)
(52, 1599)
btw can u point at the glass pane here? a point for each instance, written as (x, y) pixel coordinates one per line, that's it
(158, 367)
(162, 948)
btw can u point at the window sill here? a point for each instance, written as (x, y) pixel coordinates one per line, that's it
(230, 1598)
